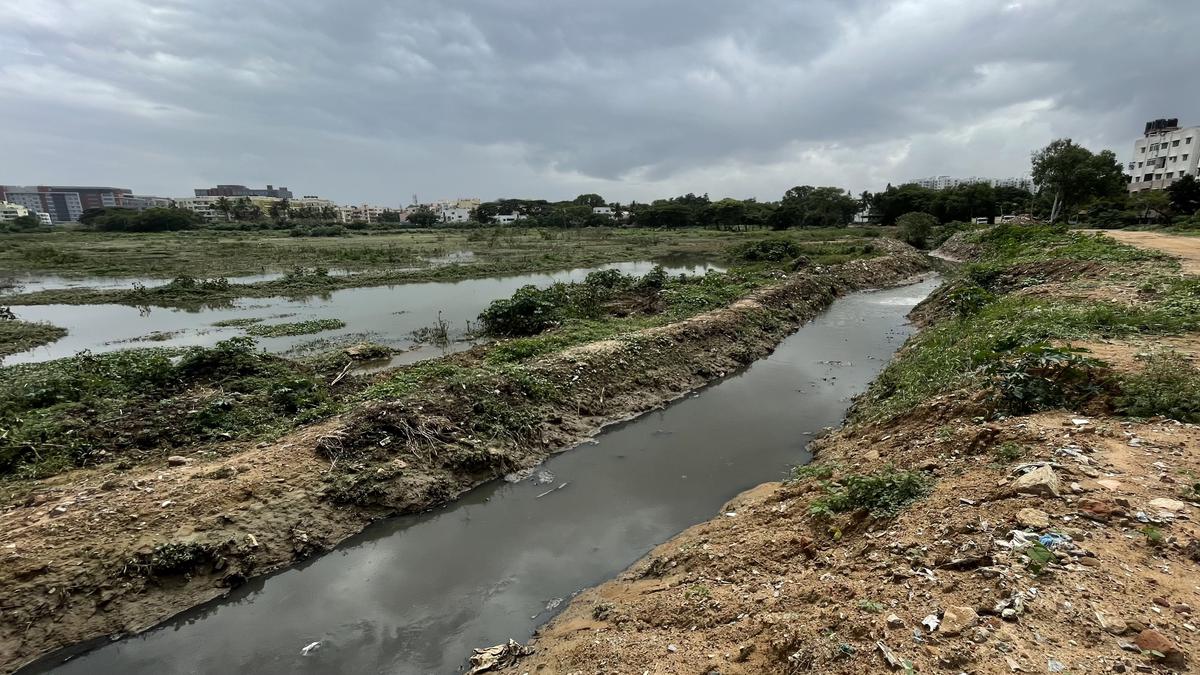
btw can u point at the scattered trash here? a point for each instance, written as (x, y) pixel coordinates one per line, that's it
(552, 490)
(931, 622)
(518, 476)
(310, 647)
(495, 658)
(1053, 540)
(1054, 666)
(889, 657)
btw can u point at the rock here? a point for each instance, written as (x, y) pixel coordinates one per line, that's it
(1109, 484)
(1041, 481)
(1161, 601)
(894, 621)
(1182, 608)
(1033, 518)
(177, 460)
(1115, 625)
(1009, 614)
(1097, 509)
(955, 620)
(980, 635)
(672, 648)
(1151, 640)
(871, 456)
(1170, 505)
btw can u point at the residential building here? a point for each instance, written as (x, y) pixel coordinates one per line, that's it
(10, 212)
(143, 202)
(455, 215)
(243, 191)
(364, 213)
(1165, 153)
(206, 207)
(468, 203)
(508, 218)
(606, 211)
(311, 201)
(64, 203)
(946, 182)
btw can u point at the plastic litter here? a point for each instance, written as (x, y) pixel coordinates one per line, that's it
(1053, 540)
(499, 656)
(310, 647)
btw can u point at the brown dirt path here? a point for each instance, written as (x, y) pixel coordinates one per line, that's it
(1186, 248)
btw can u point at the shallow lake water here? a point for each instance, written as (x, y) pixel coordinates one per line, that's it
(385, 314)
(415, 594)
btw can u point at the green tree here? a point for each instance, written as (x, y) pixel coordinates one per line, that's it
(809, 206)
(280, 210)
(1151, 206)
(224, 206)
(25, 222)
(1185, 195)
(423, 217)
(726, 214)
(915, 228)
(894, 202)
(590, 200)
(1072, 175)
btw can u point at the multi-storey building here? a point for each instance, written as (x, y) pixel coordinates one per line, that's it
(455, 215)
(143, 202)
(207, 207)
(364, 213)
(243, 191)
(63, 203)
(946, 182)
(10, 212)
(1165, 153)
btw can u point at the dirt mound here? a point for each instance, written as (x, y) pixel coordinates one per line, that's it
(1082, 571)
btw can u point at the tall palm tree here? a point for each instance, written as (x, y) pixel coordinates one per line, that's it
(224, 206)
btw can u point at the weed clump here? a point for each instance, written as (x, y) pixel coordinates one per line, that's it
(295, 328)
(170, 559)
(1169, 385)
(884, 493)
(1042, 377)
(17, 336)
(141, 403)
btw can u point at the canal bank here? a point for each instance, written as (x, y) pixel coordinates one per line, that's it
(269, 508)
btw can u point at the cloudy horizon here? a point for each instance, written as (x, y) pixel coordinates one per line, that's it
(369, 101)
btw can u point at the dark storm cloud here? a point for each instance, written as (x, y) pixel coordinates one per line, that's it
(372, 100)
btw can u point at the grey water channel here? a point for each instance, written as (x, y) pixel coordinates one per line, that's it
(384, 314)
(415, 594)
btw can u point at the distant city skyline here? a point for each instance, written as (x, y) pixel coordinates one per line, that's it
(371, 101)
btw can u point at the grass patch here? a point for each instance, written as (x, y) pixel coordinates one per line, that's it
(142, 403)
(18, 336)
(236, 323)
(1169, 385)
(296, 328)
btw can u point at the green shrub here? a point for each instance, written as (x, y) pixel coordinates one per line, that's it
(1042, 377)
(883, 493)
(529, 311)
(774, 249)
(916, 227)
(1169, 385)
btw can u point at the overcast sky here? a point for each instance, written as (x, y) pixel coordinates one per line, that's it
(375, 100)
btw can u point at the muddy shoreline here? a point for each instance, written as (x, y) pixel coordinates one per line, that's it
(67, 578)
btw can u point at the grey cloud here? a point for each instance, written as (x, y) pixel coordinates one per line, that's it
(372, 100)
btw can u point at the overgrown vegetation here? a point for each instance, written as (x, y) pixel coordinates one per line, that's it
(1017, 346)
(1169, 385)
(294, 328)
(883, 493)
(17, 336)
(143, 403)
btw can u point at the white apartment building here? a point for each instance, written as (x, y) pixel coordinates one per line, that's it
(1164, 154)
(508, 218)
(10, 212)
(606, 211)
(206, 207)
(364, 213)
(946, 182)
(455, 215)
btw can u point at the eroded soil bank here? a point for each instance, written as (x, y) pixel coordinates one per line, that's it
(99, 552)
(956, 524)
